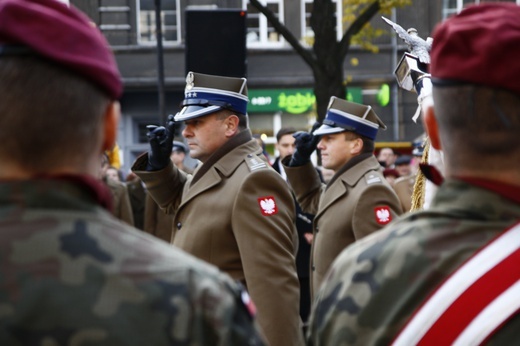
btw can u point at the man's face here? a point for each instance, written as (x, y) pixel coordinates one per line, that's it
(177, 157)
(286, 145)
(205, 135)
(336, 150)
(387, 156)
(403, 169)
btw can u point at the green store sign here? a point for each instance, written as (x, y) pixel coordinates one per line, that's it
(294, 101)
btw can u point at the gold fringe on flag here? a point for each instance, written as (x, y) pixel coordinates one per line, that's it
(420, 182)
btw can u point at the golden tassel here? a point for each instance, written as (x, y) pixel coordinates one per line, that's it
(420, 182)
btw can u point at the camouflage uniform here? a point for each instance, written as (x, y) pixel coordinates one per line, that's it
(71, 274)
(372, 290)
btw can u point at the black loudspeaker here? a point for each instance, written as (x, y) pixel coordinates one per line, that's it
(216, 42)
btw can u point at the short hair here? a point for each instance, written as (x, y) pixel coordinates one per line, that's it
(479, 126)
(284, 131)
(242, 118)
(48, 115)
(368, 144)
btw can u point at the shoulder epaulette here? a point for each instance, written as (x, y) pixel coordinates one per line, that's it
(254, 162)
(372, 178)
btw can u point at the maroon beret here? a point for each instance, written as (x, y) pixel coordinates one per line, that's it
(63, 35)
(480, 45)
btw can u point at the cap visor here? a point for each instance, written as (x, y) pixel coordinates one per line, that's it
(326, 129)
(191, 112)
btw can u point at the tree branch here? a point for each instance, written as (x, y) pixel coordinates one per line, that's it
(356, 26)
(282, 30)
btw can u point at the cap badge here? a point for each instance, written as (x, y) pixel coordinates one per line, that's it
(189, 81)
(268, 206)
(383, 215)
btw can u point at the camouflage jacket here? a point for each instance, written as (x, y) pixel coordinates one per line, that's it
(376, 284)
(72, 274)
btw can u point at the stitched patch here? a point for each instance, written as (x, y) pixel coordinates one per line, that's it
(383, 215)
(268, 205)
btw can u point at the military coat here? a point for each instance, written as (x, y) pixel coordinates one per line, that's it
(376, 284)
(156, 221)
(403, 187)
(239, 216)
(355, 203)
(72, 274)
(121, 206)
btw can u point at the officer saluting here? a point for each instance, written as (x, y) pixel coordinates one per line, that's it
(358, 200)
(235, 211)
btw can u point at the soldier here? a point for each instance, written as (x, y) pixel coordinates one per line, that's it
(235, 212)
(71, 273)
(357, 200)
(447, 275)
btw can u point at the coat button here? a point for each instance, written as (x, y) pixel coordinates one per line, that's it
(313, 268)
(179, 225)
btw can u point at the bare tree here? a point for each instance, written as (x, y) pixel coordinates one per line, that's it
(327, 54)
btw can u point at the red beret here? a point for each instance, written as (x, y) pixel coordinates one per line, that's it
(481, 45)
(61, 34)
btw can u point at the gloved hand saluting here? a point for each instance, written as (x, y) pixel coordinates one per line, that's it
(305, 144)
(161, 143)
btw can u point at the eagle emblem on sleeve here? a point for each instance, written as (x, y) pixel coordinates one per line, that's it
(383, 215)
(267, 205)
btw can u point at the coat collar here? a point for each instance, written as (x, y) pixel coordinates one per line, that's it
(350, 177)
(223, 167)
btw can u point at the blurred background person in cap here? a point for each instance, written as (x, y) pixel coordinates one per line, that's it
(179, 151)
(357, 200)
(390, 175)
(235, 212)
(447, 275)
(71, 272)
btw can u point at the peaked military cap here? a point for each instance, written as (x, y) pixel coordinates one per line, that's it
(343, 115)
(205, 94)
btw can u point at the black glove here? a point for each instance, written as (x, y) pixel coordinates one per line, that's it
(161, 143)
(305, 144)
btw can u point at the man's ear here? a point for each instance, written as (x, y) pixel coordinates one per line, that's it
(231, 124)
(357, 146)
(432, 128)
(111, 122)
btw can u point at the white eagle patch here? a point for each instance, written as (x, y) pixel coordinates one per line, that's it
(383, 215)
(268, 206)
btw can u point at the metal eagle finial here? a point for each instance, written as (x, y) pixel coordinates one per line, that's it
(416, 45)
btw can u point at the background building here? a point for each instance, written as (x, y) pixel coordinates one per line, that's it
(280, 83)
